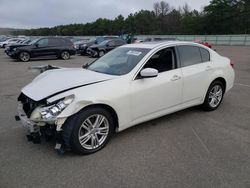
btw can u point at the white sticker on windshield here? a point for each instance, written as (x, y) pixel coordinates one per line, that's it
(136, 53)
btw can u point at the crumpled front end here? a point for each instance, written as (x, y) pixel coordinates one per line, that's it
(40, 119)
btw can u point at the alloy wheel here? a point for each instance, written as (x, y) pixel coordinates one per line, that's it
(65, 55)
(93, 132)
(215, 96)
(24, 56)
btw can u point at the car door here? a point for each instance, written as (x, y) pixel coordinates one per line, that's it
(55, 45)
(152, 97)
(40, 48)
(195, 70)
(119, 43)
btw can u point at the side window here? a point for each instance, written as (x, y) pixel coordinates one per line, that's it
(205, 55)
(163, 60)
(42, 42)
(55, 42)
(119, 42)
(189, 55)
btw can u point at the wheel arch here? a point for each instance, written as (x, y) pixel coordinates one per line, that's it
(29, 52)
(219, 78)
(62, 50)
(109, 109)
(222, 80)
(68, 124)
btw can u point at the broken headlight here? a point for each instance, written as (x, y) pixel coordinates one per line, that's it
(51, 112)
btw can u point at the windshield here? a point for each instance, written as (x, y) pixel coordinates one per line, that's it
(119, 61)
(34, 41)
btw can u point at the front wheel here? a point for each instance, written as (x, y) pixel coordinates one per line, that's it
(92, 128)
(24, 56)
(101, 53)
(214, 96)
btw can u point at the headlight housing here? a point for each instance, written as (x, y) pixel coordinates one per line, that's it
(51, 112)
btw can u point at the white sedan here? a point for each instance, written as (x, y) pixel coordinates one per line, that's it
(132, 84)
(3, 44)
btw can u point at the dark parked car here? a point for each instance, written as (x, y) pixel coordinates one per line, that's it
(97, 40)
(79, 43)
(99, 50)
(46, 46)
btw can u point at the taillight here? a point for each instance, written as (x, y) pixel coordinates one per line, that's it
(232, 63)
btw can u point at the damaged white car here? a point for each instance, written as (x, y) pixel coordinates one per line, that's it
(83, 107)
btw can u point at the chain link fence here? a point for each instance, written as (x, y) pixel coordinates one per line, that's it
(241, 40)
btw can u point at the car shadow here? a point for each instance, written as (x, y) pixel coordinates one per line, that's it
(156, 122)
(43, 59)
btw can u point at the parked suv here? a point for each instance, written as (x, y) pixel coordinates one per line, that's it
(97, 40)
(99, 50)
(46, 46)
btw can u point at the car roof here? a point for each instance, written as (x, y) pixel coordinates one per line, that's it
(155, 44)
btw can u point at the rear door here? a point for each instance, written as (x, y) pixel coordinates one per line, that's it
(111, 45)
(55, 44)
(196, 67)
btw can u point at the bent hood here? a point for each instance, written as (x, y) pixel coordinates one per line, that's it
(56, 81)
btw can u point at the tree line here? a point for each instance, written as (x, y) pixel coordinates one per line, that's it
(219, 17)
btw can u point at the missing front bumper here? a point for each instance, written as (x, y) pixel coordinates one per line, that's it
(26, 122)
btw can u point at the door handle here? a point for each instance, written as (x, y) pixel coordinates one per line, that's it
(175, 77)
(208, 68)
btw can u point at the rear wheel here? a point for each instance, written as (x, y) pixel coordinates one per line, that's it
(214, 96)
(65, 55)
(91, 130)
(24, 56)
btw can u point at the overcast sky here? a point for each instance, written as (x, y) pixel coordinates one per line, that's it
(48, 13)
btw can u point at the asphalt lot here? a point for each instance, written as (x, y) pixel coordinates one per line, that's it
(191, 148)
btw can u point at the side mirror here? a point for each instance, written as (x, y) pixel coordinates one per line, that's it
(36, 45)
(149, 73)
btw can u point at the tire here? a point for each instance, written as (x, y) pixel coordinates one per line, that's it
(214, 96)
(94, 53)
(83, 135)
(65, 55)
(24, 56)
(101, 53)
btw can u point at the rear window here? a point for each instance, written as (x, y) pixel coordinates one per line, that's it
(205, 55)
(119, 42)
(189, 55)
